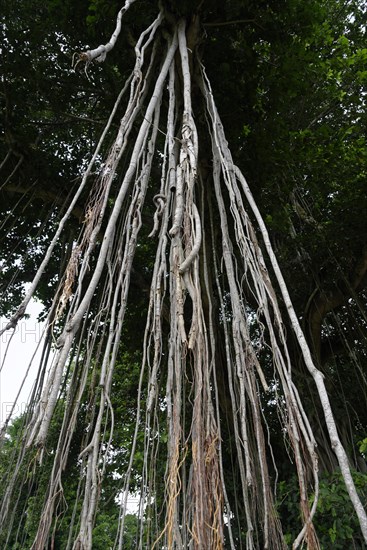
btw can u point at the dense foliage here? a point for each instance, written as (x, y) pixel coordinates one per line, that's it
(289, 82)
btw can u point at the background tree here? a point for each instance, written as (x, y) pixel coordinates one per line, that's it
(154, 259)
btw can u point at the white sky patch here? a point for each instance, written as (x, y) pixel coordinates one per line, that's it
(19, 360)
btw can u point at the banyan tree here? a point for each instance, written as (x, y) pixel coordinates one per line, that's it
(175, 366)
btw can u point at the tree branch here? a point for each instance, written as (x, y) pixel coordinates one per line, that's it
(99, 54)
(224, 23)
(323, 302)
(47, 196)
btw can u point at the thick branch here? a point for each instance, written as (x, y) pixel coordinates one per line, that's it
(322, 302)
(99, 54)
(47, 196)
(224, 23)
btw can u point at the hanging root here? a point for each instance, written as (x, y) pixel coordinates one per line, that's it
(210, 284)
(185, 266)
